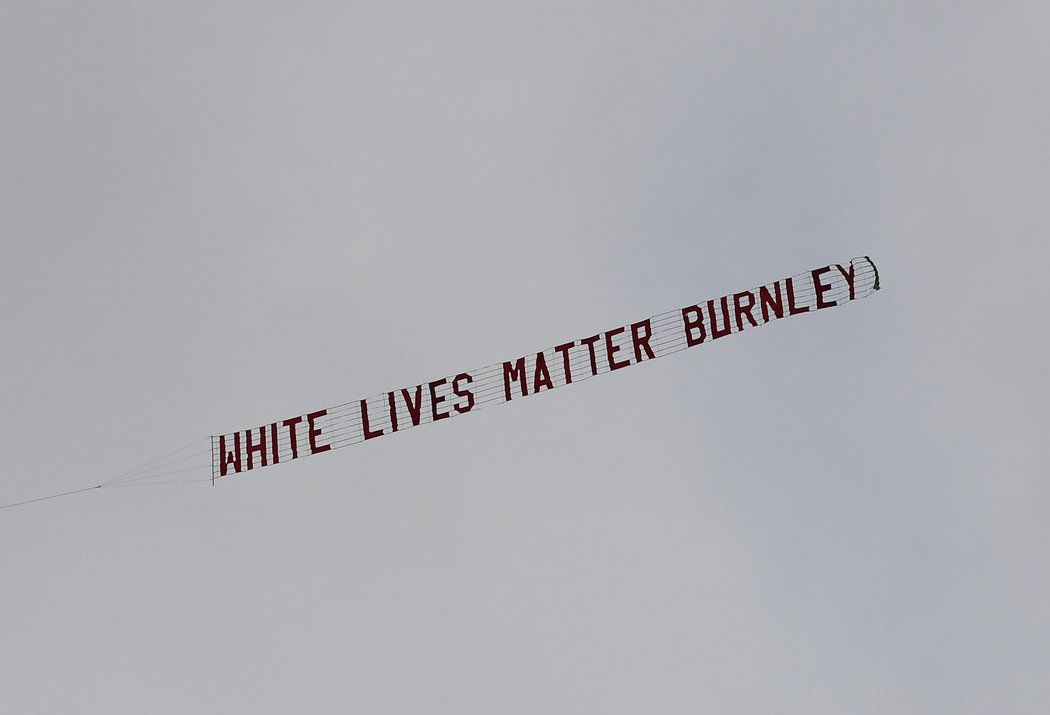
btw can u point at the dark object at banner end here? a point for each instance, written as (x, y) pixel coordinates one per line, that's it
(876, 269)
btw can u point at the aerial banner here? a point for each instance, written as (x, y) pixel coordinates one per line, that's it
(575, 360)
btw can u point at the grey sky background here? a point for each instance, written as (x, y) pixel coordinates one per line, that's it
(215, 214)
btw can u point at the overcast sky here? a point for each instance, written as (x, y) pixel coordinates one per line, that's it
(217, 214)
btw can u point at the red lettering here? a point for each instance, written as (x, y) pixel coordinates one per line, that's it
(251, 448)
(315, 432)
(228, 458)
(369, 434)
(515, 372)
(768, 302)
(693, 319)
(290, 424)
(589, 342)
(739, 309)
(542, 376)
(792, 310)
(460, 392)
(273, 444)
(414, 410)
(435, 400)
(850, 279)
(393, 411)
(821, 288)
(727, 328)
(611, 350)
(564, 350)
(642, 341)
